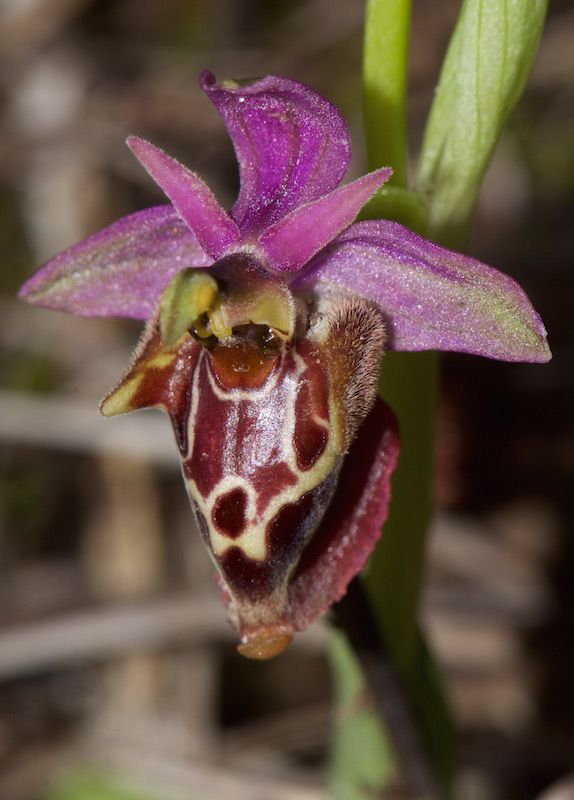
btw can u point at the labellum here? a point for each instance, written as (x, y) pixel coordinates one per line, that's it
(265, 392)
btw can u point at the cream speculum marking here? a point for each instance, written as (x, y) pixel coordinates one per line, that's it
(256, 382)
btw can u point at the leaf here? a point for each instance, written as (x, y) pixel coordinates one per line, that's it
(87, 784)
(484, 72)
(361, 759)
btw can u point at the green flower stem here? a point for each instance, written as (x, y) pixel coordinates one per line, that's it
(385, 56)
(408, 384)
(408, 381)
(483, 75)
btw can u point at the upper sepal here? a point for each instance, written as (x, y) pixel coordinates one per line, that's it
(431, 297)
(292, 145)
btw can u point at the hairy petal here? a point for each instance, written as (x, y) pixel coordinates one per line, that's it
(120, 271)
(192, 198)
(292, 145)
(431, 297)
(294, 240)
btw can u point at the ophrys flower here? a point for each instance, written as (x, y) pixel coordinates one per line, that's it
(265, 330)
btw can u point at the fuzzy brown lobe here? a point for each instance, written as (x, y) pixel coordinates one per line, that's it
(353, 334)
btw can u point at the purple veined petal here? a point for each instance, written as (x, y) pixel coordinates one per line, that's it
(431, 297)
(192, 198)
(292, 146)
(119, 271)
(294, 240)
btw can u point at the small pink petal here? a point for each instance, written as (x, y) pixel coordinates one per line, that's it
(293, 241)
(119, 271)
(193, 200)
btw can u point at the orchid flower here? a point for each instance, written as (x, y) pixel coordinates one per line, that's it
(265, 330)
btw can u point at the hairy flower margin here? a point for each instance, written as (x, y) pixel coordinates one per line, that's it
(265, 328)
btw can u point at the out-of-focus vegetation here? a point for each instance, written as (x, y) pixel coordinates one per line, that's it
(90, 786)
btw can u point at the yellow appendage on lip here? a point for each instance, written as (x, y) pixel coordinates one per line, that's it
(262, 647)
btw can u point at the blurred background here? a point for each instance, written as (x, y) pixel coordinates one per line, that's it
(119, 678)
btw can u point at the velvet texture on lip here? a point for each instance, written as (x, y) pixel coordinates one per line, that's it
(265, 329)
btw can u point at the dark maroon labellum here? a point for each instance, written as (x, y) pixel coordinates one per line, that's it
(263, 417)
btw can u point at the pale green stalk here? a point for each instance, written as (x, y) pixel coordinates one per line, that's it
(408, 384)
(385, 57)
(407, 381)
